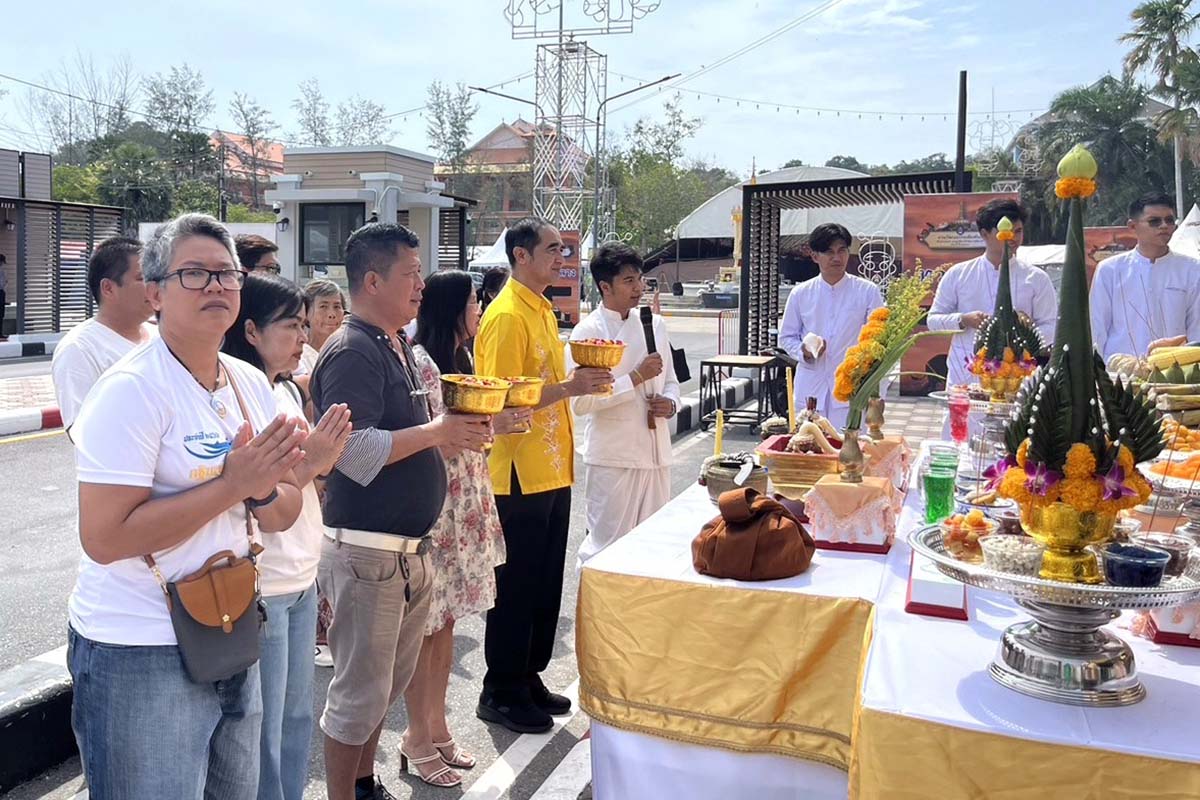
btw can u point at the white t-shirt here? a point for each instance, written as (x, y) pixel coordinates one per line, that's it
(289, 563)
(81, 357)
(147, 422)
(308, 360)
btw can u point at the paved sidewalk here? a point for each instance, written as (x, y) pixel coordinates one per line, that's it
(28, 404)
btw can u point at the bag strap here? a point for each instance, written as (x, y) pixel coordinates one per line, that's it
(149, 559)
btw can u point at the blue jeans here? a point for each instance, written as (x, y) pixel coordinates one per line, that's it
(288, 641)
(145, 730)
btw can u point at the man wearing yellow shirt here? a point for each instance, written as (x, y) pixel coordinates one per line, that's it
(531, 475)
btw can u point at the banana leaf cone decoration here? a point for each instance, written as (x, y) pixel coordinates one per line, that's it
(1076, 435)
(1007, 345)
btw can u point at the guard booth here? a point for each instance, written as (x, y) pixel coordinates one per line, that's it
(763, 205)
(46, 245)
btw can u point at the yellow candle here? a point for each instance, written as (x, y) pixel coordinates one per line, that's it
(791, 401)
(720, 432)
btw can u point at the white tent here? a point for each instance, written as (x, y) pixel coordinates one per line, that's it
(713, 219)
(497, 256)
(1042, 255)
(494, 257)
(1187, 236)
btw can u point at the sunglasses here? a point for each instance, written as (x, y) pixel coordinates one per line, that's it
(1158, 222)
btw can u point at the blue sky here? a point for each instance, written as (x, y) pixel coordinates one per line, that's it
(871, 55)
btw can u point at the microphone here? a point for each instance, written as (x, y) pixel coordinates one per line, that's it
(647, 317)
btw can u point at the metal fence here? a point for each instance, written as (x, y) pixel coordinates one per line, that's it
(54, 243)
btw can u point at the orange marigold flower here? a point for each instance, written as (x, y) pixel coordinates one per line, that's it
(1125, 459)
(880, 314)
(1009, 355)
(1082, 494)
(1081, 462)
(1066, 188)
(982, 352)
(1012, 485)
(1022, 453)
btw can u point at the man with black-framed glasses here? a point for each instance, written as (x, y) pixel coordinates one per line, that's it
(257, 254)
(1150, 292)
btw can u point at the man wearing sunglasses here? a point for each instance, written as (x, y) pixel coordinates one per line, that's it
(257, 254)
(1150, 292)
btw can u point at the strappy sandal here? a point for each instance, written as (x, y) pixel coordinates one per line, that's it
(458, 757)
(431, 778)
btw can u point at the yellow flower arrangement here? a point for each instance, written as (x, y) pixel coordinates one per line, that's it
(880, 314)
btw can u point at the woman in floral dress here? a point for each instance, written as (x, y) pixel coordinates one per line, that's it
(468, 543)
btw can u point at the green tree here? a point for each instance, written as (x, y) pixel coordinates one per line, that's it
(239, 212)
(312, 109)
(180, 104)
(75, 184)
(849, 162)
(1158, 41)
(1108, 116)
(195, 196)
(448, 129)
(255, 125)
(133, 177)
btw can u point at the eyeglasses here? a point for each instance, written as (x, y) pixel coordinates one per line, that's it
(198, 279)
(274, 269)
(1158, 222)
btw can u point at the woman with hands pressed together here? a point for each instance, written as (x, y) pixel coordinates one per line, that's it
(270, 334)
(175, 446)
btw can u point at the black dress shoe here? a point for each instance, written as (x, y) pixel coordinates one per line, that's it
(553, 704)
(514, 711)
(378, 792)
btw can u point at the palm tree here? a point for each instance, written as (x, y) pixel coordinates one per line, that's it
(1109, 118)
(1160, 31)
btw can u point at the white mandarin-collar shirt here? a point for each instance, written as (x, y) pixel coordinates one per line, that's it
(1135, 300)
(971, 286)
(835, 313)
(615, 431)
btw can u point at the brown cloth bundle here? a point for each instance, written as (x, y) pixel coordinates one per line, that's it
(754, 539)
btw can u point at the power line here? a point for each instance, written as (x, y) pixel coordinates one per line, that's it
(741, 51)
(839, 111)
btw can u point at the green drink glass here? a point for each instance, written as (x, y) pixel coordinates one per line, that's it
(939, 493)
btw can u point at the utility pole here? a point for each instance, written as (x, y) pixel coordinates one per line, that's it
(221, 205)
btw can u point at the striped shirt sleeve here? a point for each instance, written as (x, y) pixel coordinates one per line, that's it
(365, 454)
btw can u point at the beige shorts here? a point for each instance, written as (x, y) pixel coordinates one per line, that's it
(375, 635)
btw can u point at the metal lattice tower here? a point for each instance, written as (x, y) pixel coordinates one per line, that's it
(571, 86)
(571, 82)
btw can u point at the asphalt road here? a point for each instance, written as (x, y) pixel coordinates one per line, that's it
(39, 554)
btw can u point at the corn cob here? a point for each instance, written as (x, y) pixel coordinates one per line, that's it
(1164, 357)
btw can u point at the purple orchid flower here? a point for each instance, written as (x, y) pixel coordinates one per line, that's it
(1114, 484)
(993, 365)
(995, 473)
(1039, 479)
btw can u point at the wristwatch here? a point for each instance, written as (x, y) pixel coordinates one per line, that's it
(252, 504)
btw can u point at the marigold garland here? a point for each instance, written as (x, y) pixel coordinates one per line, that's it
(1066, 188)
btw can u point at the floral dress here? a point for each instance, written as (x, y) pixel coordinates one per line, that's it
(468, 542)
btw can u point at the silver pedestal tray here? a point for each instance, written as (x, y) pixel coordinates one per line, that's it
(994, 409)
(1062, 654)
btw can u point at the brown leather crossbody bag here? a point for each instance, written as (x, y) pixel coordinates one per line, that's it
(217, 611)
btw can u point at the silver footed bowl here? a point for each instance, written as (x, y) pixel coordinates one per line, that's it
(1173, 591)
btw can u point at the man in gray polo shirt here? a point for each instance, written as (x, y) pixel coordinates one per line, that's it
(380, 502)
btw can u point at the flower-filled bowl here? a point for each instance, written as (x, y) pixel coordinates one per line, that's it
(598, 353)
(474, 394)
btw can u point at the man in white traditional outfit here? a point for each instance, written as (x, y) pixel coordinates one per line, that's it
(966, 294)
(628, 462)
(822, 320)
(1150, 292)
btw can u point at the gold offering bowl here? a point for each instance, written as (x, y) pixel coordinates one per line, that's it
(599, 356)
(1066, 533)
(474, 394)
(525, 392)
(1002, 389)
